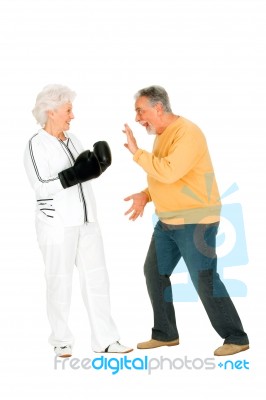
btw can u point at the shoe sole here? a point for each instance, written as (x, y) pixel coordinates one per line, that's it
(118, 352)
(155, 347)
(114, 352)
(65, 355)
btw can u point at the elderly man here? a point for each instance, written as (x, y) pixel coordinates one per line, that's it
(182, 186)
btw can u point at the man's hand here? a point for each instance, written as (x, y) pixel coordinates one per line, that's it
(139, 202)
(131, 144)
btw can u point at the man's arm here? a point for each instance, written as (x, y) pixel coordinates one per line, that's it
(185, 153)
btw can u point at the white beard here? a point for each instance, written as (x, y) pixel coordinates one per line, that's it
(150, 132)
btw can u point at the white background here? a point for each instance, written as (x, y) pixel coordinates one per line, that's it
(210, 56)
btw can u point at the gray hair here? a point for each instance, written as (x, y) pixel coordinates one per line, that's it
(156, 94)
(50, 98)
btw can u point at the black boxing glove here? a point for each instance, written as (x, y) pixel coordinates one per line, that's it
(103, 152)
(86, 167)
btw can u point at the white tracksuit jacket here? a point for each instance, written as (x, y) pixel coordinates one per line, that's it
(46, 156)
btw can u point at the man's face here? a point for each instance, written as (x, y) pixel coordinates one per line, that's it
(62, 116)
(147, 115)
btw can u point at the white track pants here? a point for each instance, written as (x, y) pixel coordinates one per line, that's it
(62, 248)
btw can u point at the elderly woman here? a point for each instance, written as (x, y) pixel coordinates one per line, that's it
(67, 230)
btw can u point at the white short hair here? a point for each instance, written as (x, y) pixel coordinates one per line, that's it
(50, 98)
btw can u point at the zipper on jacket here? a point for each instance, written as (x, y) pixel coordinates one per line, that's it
(79, 184)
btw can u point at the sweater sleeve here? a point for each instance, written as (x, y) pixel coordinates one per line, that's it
(37, 169)
(182, 156)
(146, 191)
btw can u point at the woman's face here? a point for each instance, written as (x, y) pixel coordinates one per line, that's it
(62, 117)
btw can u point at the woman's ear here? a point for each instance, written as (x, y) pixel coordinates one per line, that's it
(50, 114)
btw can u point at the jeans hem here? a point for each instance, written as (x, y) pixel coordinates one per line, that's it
(242, 343)
(165, 340)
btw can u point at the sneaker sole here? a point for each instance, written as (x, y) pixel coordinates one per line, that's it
(65, 355)
(118, 352)
(114, 352)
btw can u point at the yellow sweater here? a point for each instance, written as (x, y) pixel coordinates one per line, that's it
(181, 180)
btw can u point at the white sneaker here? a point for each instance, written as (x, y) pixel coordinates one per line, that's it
(117, 348)
(64, 351)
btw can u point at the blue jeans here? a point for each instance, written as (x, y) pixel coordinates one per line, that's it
(196, 244)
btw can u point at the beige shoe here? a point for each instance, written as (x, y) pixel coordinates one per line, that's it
(153, 343)
(230, 348)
